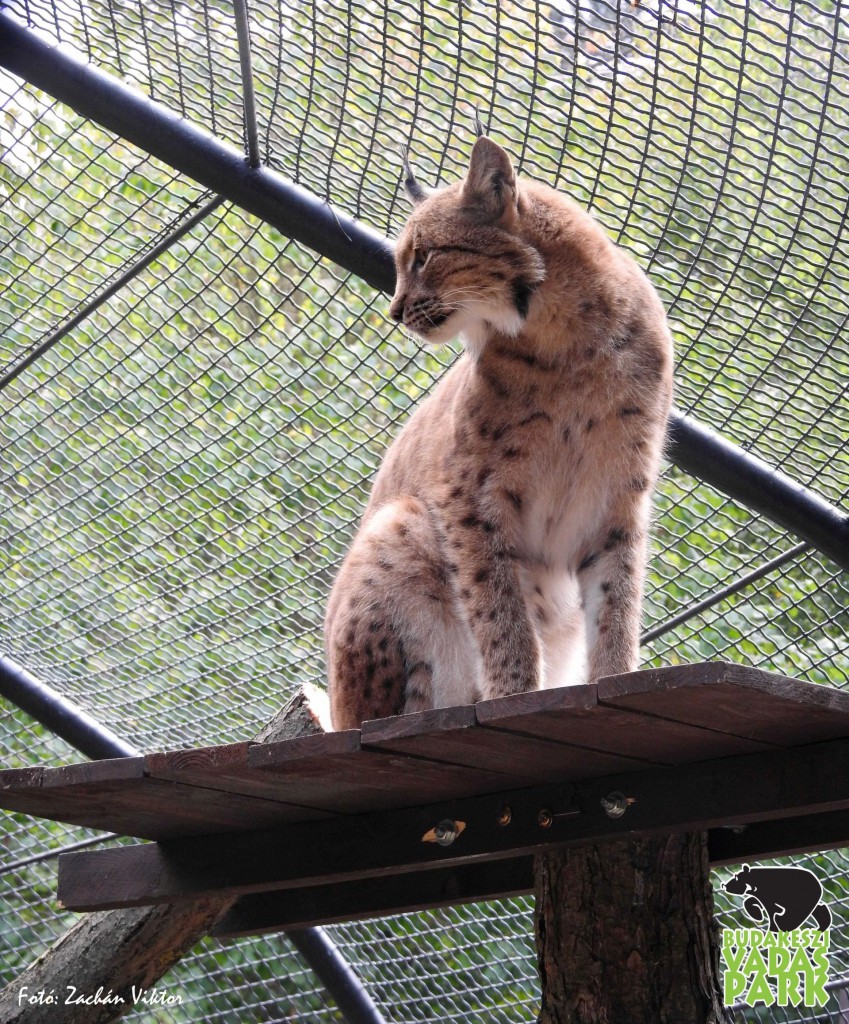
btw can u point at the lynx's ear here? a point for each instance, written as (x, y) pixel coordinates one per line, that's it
(490, 186)
(414, 190)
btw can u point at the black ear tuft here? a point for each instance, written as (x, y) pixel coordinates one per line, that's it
(413, 189)
(479, 128)
(490, 186)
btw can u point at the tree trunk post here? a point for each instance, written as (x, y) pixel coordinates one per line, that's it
(626, 934)
(113, 952)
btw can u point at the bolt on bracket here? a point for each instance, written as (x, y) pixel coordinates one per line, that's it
(445, 832)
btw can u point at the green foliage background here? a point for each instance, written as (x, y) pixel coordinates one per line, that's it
(182, 472)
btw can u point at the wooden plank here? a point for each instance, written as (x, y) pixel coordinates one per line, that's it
(379, 844)
(453, 735)
(573, 715)
(226, 768)
(117, 796)
(375, 897)
(627, 723)
(367, 898)
(334, 772)
(733, 699)
(197, 763)
(809, 833)
(732, 791)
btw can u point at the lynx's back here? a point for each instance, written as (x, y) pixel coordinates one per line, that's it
(504, 544)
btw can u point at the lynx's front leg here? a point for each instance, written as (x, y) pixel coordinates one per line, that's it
(611, 575)
(491, 597)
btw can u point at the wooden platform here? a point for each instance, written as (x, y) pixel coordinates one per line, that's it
(358, 823)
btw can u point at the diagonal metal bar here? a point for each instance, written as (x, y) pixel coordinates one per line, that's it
(321, 953)
(357, 248)
(93, 739)
(40, 858)
(719, 595)
(243, 30)
(193, 151)
(59, 714)
(103, 296)
(754, 483)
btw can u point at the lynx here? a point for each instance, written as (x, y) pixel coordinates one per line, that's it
(503, 548)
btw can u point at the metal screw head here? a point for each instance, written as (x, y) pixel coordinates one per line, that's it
(545, 818)
(615, 804)
(505, 815)
(446, 832)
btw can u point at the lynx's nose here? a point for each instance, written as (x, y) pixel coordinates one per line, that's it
(396, 310)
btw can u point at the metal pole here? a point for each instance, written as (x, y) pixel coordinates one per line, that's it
(728, 591)
(59, 714)
(757, 485)
(316, 947)
(222, 168)
(355, 247)
(243, 30)
(149, 257)
(87, 735)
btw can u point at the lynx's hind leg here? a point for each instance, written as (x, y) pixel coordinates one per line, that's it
(395, 644)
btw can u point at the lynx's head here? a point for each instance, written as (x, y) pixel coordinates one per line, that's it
(462, 265)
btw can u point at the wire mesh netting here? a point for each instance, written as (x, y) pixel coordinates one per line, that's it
(183, 467)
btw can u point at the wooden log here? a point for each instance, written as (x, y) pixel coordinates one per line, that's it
(119, 951)
(625, 933)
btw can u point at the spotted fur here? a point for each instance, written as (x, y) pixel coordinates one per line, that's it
(504, 544)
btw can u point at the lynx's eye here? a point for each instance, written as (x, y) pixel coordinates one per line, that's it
(420, 259)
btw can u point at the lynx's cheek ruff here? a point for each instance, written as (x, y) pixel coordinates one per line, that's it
(444, 302)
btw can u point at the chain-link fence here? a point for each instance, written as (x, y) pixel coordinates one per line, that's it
(192, 406)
